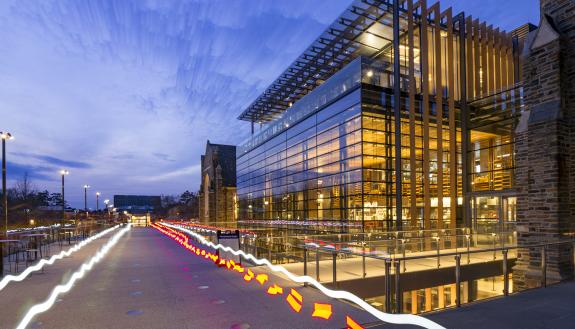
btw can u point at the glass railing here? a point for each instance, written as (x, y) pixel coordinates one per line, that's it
(433, 269)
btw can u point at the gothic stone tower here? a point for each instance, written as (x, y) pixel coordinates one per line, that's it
(546, 147)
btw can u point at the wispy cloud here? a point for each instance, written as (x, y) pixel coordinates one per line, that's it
(54, 161)
(186, 172)
(127, 92)
(18, 170)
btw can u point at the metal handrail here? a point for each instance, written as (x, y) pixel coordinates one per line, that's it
(484, 250)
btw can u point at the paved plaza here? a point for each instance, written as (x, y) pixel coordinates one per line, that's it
(149, 281)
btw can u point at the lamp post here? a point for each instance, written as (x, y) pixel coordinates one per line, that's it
(106, 202)
(86, 187)
(5, 136)
(97, 201)
(63, 173)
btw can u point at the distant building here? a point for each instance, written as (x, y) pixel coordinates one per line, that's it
(137, 207)
(218, 185)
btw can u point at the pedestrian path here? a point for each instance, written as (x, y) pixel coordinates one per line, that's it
(150, 281)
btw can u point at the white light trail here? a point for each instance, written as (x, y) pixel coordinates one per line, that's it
(38, 266)
(338, 294)
(64, 288)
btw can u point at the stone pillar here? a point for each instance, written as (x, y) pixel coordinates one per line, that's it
(543, 148)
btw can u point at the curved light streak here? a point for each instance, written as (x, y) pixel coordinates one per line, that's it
(38, 266)
(338, 294)
(64, 288)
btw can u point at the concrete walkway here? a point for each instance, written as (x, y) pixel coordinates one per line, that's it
(150, 281)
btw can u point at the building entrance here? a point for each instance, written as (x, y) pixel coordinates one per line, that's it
(493, 213)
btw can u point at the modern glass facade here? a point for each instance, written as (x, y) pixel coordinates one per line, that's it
(493, 122)
(343, 145)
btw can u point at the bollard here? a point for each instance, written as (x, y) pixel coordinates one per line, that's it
(398, 294)
(505, 274)
(458, 280)
(387, 286)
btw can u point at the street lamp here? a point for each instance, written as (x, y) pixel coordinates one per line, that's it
(5, 136)
(97, 201)
(106, 202)
(86, 187)
(63, 172)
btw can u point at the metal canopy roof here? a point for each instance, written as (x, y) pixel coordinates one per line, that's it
(364, 29)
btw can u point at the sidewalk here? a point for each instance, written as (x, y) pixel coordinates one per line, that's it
(150, 281)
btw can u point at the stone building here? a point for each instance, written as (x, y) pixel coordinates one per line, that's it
(545, 143)
(218, 185)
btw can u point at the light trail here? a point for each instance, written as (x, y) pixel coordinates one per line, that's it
(20, 277)
(338, 294)
(64, 288)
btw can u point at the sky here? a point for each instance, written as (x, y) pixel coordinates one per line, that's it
(125, 93)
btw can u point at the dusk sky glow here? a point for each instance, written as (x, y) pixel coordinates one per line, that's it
(124, 94)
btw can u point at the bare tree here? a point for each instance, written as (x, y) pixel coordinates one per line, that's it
(24, 189)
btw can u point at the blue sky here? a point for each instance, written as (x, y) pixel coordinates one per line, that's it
(125, 94)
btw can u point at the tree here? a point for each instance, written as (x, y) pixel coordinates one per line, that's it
(55, 199)
(169, 201)
(43, 198)
(24, 189)
(187, 197)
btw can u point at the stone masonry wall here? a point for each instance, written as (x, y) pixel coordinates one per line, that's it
(546, 183)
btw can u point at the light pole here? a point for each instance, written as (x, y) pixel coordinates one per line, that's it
(5, 136)
(97, 201)
(106, 202)
(86, 187)
(63, 172)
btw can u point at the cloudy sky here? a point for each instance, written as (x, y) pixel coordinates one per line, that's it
(125, 93)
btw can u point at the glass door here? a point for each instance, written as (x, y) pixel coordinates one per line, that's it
(486, 212)
(509, 213)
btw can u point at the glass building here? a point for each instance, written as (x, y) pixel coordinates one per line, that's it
(399, 116)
